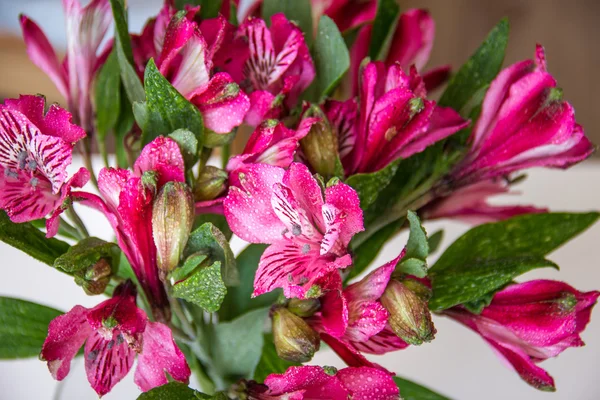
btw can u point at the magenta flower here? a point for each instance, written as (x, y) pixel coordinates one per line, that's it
(271, 143)
(113, 332)
(127, 198)
(182, 55)
(529, 322)
(35, 150)
(524, 123)
(86, 27)
(353, 321)
(393, 120)
(312, 382)
(410, 45)
(470, 204)
(277, 66)
(308, 234)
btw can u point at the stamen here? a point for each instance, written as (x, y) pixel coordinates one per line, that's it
(32, 165)
(22, 159)
(305, 248)
(34, 182)
(296, 230)
(92, 355)
(10, 173)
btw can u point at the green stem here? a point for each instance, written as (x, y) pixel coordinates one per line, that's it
(67, 229)
(185, 323)
(225, 154)
(87, 160)
(204, 156)
(77, 221)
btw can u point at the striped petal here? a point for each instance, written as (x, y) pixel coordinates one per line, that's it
(162, 156)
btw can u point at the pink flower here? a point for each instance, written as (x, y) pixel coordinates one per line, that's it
(277, 66)
(183, 56)
(113, 332)
(35, 150)
(312, 382)
(347, 14)
(393, 120)
(470, 204)
(529, 322)
(308, 234)
(127, 198)
(271, 143)
(86, 27)
(353, 321)
(524, 123)
(410, 45)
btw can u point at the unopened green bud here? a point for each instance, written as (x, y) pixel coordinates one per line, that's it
(172, 220)
(95, 278)
(320, 146)
(294, 339)
(304, 308)
(410, 318)
(211, 183)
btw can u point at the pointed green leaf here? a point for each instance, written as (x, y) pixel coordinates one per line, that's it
(87, 253)
(384, 25)
(23, 327)
(368, 185)
(188, 144)
(478, 71)
(174, 391)
(204, 287)
(491, 255)
(165, 110)
(435, 241)
(107, 96)
(209, 240)
(239, 298)
(31, 240)
(412, 391)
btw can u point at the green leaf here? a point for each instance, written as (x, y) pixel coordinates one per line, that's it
(217, 220)
(476, 306)
(479, 70)
(173, 391)
(238, 300)
(165, 109)
(30, 240)
(491, 255)
(435, 241)
(23, 327)
(131, 81)
(208, 8)
(365, 253)
(368, 185)
(122, 128)
(331, 58)
(204, 287)
(412, 391)
(209, 240)
(414, 261)
(188, 144)
(384, 26)
(298, 11)
(107, 97)
(87, 253)
(236, 346)
(270, 363)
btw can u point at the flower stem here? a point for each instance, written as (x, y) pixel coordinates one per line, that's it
(77, 221)
(225, 154)
(87, 160)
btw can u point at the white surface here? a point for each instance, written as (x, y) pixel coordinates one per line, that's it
(458, 363)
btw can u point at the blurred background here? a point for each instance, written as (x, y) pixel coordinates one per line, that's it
(458, 363)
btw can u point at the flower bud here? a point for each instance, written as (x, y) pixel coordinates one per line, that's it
(304, 308)
(95, 278)
(210, 184)
(294, 339)
(172, 220)
(320, 146)
(410, 318)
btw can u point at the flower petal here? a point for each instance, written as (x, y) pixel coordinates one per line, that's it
(311, 380)
(159, 355)
(368, 383)
(345, 199)
(163, 156)
(413, 39)
(383, 342)
(334, 313)
(66, 335)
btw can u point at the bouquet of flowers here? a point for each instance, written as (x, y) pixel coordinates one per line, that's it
(343, 150)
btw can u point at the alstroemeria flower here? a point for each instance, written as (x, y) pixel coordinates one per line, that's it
(182, 55)
(127, 198)
(308, 232)
(353, 321)
(35, 150)
(410, 45)
(393, 120)
(312, 382)
(470, 204)
(271, 143)
(86, 28)
(524, 123)
(113, 333)
(278, 66)
(529, 322)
